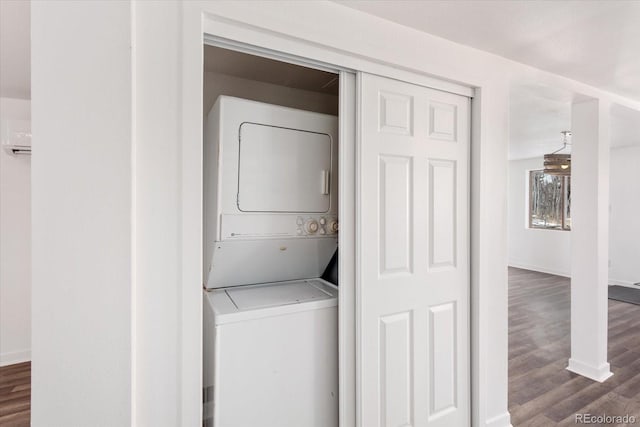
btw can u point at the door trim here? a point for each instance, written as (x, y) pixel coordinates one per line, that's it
(255, 40)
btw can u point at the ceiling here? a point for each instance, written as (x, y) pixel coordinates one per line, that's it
(538, 114)
(595, 42)
(224, 61)
(15, 61)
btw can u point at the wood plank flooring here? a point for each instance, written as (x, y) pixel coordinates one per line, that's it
(542, 393)
(15, 395)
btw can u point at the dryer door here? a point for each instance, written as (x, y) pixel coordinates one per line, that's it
(283, 170)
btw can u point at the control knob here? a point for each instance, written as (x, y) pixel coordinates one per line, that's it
(311, 226)
(333, 226)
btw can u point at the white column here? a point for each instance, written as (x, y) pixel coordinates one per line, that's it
(81, 174)
(590, 124)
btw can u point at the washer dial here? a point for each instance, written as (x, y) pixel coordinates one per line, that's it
(311, 226)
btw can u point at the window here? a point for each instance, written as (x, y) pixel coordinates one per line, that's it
(549, 201)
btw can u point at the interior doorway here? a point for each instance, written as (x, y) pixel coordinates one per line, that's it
(286, 117)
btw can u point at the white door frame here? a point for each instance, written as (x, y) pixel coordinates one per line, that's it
(347, 206)
(199, 19)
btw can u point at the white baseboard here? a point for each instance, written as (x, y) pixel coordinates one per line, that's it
(502, 420)
(596, 373)
(625, 283)
(13, 357)
(525, 266)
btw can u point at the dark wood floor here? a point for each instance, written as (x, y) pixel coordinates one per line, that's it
(541, 391)
(15, 395)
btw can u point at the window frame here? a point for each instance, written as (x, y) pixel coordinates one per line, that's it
(565, 185)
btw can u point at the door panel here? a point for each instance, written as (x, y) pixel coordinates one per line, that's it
(442, 213)
(442, 354)
(413, 310)
(396, 227)
(396, 370)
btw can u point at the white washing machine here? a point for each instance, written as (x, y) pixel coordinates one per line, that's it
(271, 228)
(274, 350)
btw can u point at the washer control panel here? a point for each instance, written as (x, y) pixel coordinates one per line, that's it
(316, 225)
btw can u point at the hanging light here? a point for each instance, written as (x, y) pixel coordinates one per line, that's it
(556, 163)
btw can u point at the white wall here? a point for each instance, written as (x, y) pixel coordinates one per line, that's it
(548, 251)
(216, 84)
(81, 186)
(624, 232)
(15, 243)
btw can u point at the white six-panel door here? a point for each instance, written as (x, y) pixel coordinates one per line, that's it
(413, 308)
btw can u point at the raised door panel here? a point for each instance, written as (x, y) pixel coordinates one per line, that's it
(443, 121)
(396, 231)
(395, 113)
(443, 359)
(396, 370)
(442, 213)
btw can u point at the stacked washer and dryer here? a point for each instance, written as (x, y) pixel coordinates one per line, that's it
(271, 229)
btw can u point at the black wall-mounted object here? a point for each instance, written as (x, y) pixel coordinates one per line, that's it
(331, 272)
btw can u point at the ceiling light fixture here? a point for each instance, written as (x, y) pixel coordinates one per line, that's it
(559, 164)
